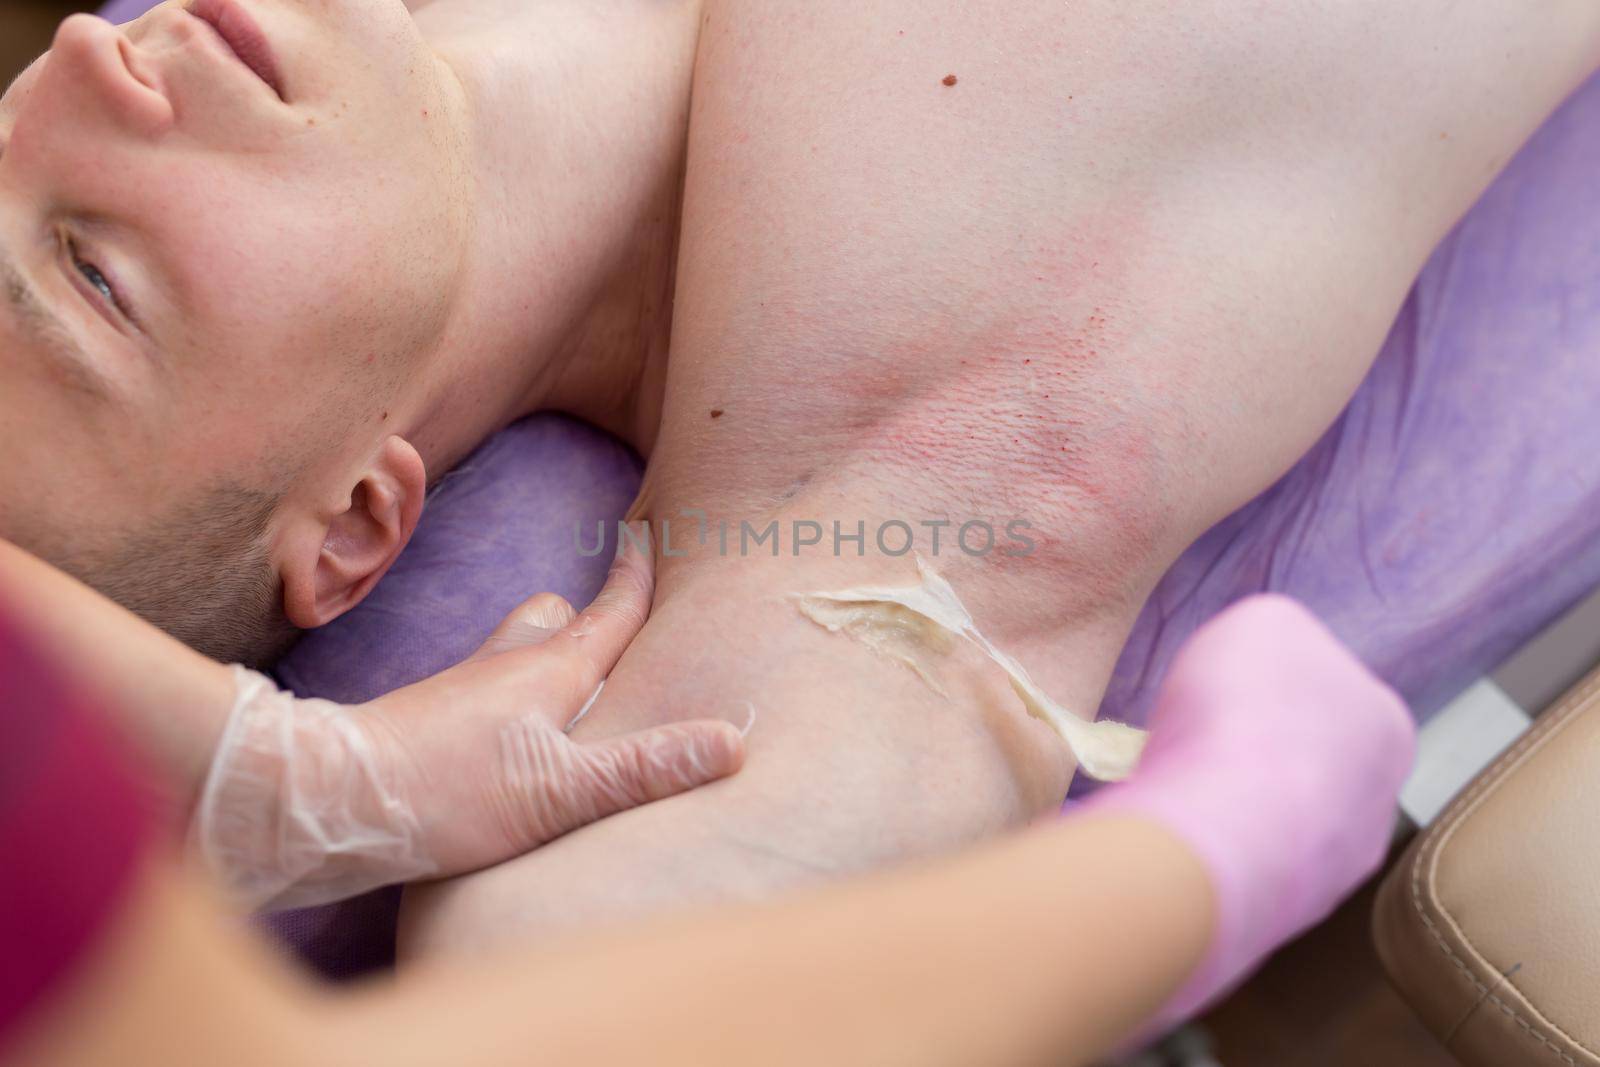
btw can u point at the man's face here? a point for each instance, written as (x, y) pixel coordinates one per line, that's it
(223, 229)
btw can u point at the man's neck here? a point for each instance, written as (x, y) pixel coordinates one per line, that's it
(574, 115)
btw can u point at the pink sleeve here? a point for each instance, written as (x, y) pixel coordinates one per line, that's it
(73, 826)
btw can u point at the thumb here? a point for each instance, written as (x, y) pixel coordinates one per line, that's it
(624, 772)
(533, 622)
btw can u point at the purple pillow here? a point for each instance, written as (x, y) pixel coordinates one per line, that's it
(120, 11)
(502, 526)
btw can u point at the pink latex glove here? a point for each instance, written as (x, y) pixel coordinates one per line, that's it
(1278, 757)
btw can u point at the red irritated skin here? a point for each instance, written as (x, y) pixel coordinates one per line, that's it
(1113, 281)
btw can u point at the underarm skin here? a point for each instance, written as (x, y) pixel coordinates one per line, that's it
(1111, 278)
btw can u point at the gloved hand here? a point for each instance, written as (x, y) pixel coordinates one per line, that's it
(309, 801)
(1278, 758)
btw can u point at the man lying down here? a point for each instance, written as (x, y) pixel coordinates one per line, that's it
(1103, 272)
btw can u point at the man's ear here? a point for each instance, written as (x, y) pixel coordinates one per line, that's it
(331, 564)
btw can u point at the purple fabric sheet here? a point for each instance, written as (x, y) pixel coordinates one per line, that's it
(1448, 515)
(1452, 510)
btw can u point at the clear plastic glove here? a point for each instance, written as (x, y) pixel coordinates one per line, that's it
(309, 801)
(1278, 757)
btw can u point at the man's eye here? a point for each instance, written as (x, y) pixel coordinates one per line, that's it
(96, 279)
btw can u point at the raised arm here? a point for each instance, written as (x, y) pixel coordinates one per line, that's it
(1103, 269)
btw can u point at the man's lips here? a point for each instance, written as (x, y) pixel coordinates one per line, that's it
(242, 36)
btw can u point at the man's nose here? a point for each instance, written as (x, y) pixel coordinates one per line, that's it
(99, 74)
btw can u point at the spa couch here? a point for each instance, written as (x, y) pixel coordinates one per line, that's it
(1489, 924)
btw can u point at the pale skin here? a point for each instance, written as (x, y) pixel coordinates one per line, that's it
(1114, 279)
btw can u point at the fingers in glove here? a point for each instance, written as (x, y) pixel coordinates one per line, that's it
(564, 665)
(554, 787)
(593, 642)
(651, 765)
